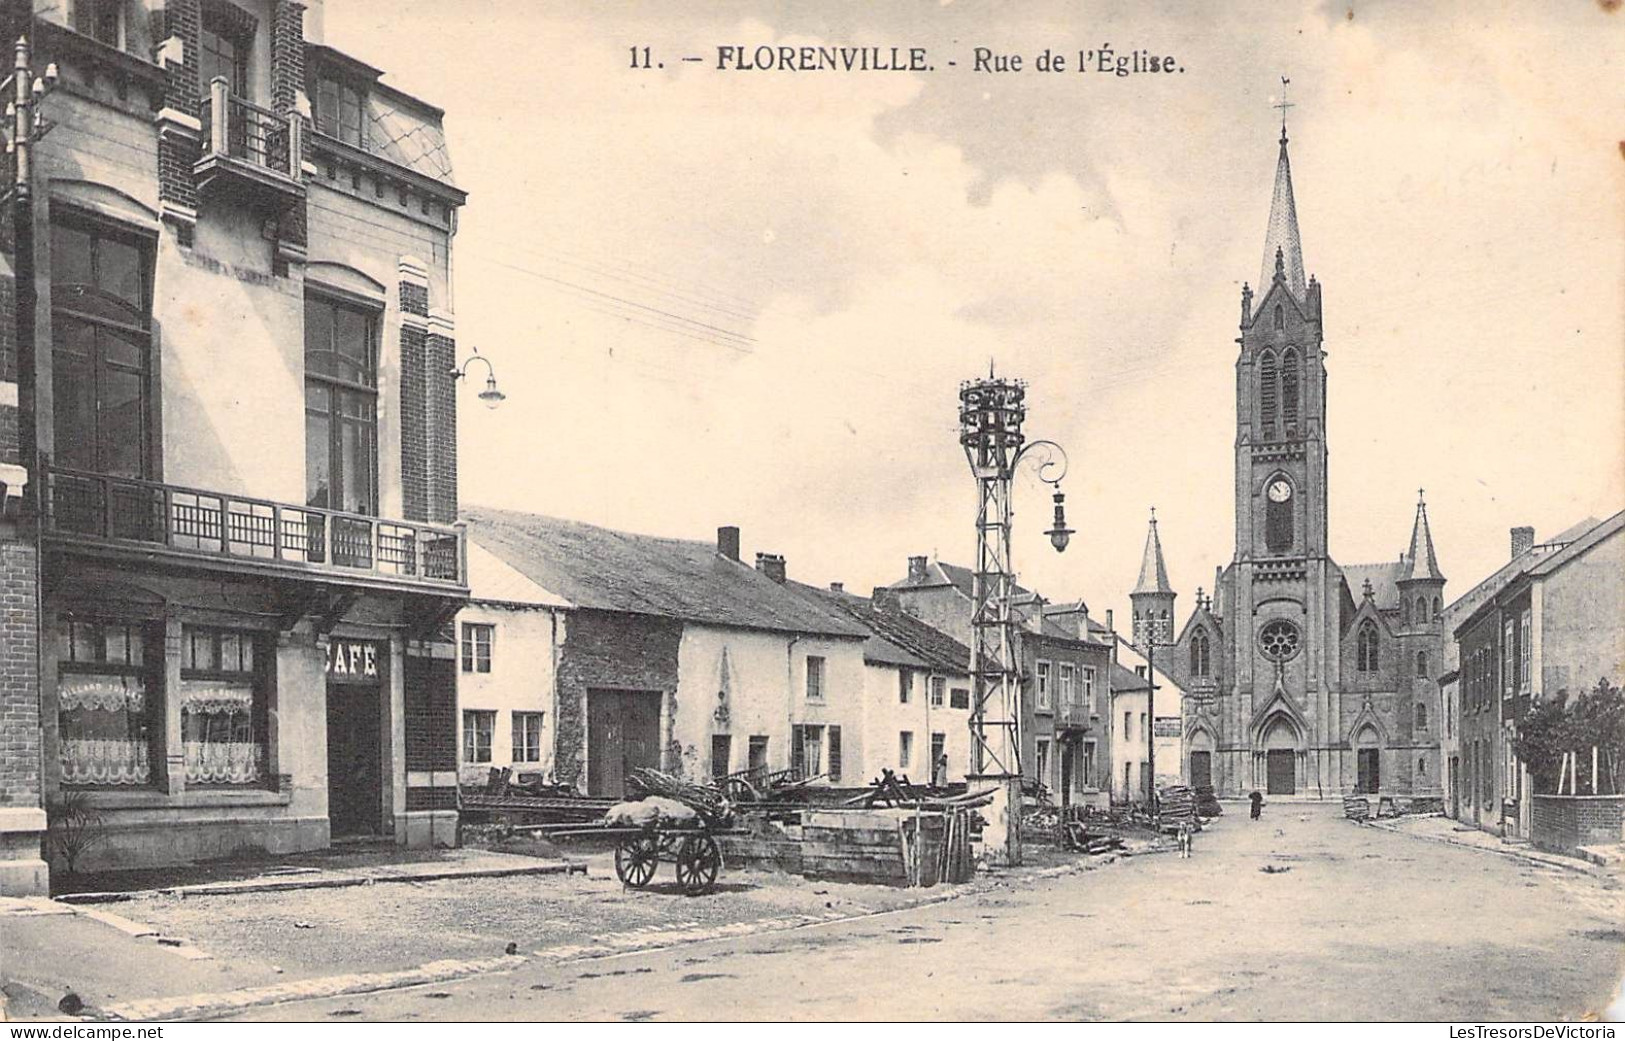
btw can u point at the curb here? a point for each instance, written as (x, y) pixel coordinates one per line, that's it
(1543, 859)
(319, 882)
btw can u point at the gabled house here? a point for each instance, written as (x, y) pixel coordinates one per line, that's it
(655, 652)
(1065, 688)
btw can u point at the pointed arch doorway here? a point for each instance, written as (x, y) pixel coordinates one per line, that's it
(1368, 762)
(1280, 759)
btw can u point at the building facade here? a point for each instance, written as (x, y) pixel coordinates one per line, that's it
(247, 434)
(621, 651)
(1549, 622)
(1303, 676)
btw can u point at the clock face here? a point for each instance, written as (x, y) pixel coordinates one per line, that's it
(1280, 491)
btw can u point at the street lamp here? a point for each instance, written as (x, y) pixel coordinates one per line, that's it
(490, 395)
(991, 413)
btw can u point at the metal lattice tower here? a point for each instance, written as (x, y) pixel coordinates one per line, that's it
(991, 413)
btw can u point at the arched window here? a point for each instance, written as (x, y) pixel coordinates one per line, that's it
(1421, 610)
(1405, 612)
(1421, 716)
(1289, 389)
(1201, 659)
(1366, 647)
(1268, 397)
(1280, 317)
(1421, 665)
(1438, 609)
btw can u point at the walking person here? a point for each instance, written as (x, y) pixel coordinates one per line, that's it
(1258, 804)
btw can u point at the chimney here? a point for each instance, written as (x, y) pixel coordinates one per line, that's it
(771, 565)
(916, 569)
(837, 587)
(1523, 540)
(1109, 627)
(728, 542)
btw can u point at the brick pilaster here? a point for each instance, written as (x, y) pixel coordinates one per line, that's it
(415, 380)
(441, 351)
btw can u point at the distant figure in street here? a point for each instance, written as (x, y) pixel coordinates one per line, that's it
(1186, 836)
(1258, 804)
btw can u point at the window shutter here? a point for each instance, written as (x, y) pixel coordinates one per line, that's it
(835, 755)
(798, 751)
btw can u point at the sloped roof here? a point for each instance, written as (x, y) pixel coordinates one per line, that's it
(1469, 602)
(1126, 680)
(1384, 579)
(1580, 545)
(1420, 563)
(1153, 572)
(605, 570)
(899, 638)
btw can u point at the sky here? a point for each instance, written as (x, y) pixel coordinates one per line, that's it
(747, 297)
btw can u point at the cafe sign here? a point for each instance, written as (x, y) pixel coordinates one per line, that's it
(353, 660)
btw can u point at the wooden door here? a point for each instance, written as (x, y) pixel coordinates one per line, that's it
(354, 760)
(1370, 766)
(1201, 769)
(623, 734)
(1282, 771)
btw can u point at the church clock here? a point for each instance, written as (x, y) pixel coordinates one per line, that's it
(1280, 491)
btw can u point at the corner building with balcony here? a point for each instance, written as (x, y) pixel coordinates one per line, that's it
(247, 427)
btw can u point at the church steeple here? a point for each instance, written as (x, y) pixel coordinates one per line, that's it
(1420, 563)
(1283, 250)
(1153, 597)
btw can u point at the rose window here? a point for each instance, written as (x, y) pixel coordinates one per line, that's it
(1278, 640)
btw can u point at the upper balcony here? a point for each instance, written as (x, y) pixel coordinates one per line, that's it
(134, 520)
(1075, 715)
(248, 150)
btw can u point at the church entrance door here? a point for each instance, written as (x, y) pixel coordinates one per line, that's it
(1282, 772)
(1201, 769)
(1370, 766)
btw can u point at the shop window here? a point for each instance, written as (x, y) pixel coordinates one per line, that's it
(222, 707)
(476, 651)
(104, 704)
(479, 728)
(527, 737)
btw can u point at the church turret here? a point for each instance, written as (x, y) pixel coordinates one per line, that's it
(1153, 597)
(1421, 583)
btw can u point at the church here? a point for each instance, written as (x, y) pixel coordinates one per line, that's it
(1303, 677)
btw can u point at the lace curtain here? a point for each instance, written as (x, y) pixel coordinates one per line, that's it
(104, 730)
(219, 739)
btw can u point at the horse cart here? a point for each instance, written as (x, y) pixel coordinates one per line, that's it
(693, 850)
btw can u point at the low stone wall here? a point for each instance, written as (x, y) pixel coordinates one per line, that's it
(1564, 823)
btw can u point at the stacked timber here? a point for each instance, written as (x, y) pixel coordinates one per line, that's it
(1178, 804)
(1356, 807)
(856, 845)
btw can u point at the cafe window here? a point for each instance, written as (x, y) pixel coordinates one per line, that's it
(341, 406)
(223, 713)
(101, 345)
(104, 703)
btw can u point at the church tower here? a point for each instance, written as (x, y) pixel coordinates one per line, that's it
(1153, 597)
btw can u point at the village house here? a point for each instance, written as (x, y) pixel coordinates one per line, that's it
(1064, 685)
(1550, 620)
(247, 436)
(917, 687)
(589, 653)
(1131, 729)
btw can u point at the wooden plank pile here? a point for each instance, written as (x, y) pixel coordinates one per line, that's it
(1356, 807)
(1178, 805)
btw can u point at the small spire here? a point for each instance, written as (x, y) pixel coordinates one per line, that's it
(1367, 591)
(1420, 563)
(1281, 237)
(1153, 572)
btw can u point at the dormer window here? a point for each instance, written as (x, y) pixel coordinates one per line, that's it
(339, 111)
(101, 20)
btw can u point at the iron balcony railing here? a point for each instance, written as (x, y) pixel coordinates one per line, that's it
(1076, 714)
(125, 510)
(249, 133)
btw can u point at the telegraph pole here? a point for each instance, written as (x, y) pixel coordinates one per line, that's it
(1151, 716)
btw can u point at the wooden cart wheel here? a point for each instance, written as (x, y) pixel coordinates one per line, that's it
(740, 791)
(698, 861)
(635, 860)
